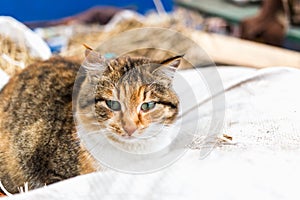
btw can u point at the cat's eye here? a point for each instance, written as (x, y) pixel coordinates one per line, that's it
(114, 105)
(148, 106)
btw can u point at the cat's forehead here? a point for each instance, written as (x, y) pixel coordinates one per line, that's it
(126, 63)
(128, 75)
(127, 70)
(134, 83)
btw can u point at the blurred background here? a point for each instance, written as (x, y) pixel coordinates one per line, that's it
(63, 26)
(233, 12)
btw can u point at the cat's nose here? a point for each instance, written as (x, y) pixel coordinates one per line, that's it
(130, 129)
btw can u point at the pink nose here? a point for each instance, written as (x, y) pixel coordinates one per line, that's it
(129, 129)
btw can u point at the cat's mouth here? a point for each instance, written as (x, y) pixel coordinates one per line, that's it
(128, 137)
(143, 134)
(136, 136)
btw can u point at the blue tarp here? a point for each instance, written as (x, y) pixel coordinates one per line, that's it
(31, 10)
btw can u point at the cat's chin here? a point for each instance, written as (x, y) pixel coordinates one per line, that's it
(143, 145)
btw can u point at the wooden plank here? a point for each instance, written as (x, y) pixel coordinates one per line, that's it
(234, 51)
(220, 8)
(293, 33)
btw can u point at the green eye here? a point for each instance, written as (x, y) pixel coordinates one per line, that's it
(147, 106)
(114, 105)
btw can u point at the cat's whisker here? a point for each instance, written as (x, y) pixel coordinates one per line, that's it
(81, 113)
(93, 147)
(91, 133)
(95, 123)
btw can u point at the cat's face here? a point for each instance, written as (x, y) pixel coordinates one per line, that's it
(132, 96)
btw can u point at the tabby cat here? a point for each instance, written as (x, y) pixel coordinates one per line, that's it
(39, 143)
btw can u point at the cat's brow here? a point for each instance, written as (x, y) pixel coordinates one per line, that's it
(140, 92)
(97, 99)
(149, 88)
(152, 83)
(113, 84)
(167, 104)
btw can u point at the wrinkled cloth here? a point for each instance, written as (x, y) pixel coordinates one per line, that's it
(262, 116)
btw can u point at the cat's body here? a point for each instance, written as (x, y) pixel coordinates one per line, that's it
(38, 139)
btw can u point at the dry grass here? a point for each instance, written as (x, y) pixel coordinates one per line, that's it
(95, 38)
(13, 55)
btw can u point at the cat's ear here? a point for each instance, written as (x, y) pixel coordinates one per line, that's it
(94, 61)
(168, 67)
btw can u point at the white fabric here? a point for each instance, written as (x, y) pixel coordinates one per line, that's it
(262, 116)
(3, 78)
(18, 32)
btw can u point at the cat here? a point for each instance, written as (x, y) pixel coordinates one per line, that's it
(39, 142)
